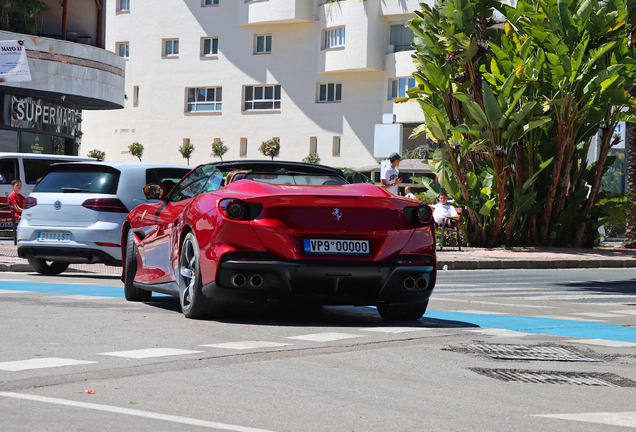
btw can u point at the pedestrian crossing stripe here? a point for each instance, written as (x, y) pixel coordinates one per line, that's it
(603, 342)
(40, 363)
(246, 345)
(627, 419)
(326, 337)
(149, 353)
(394, 330)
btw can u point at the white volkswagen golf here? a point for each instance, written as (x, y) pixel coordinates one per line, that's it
(75, 214)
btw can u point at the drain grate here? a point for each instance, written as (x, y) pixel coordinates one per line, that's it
(572, 378)
(523, 352)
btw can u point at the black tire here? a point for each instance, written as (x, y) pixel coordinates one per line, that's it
(402, 312)
(43, 267)
(193, 303)
(131, 292)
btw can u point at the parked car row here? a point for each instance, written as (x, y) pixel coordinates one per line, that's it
(237, 231)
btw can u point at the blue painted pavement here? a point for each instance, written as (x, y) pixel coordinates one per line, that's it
(577, 329)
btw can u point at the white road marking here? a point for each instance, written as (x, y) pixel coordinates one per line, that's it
(597, 314)
(394, 329)
(478, 312)
(4, 291)
(483, 283)
(499, 289)
(134, 412)
(603, 342)
(627, 419)
(326, 337)
(40, 363)
(246, 345)
(578, 296)
(625, 312)
(435, 298)
(498, 332)
(150, 352)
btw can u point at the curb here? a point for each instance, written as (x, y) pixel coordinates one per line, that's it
(534, 264)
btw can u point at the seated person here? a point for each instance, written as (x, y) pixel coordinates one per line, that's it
(230, 176)
(15, 198)
(443, 212)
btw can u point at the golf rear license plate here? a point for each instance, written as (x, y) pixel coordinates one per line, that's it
(336, 247)
(55, 237)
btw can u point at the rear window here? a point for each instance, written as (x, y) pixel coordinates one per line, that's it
(168, 177)
(80, 179)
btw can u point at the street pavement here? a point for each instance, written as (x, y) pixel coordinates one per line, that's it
(76, 356)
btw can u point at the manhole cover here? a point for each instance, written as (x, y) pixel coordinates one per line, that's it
(523, 352)
(573, 378)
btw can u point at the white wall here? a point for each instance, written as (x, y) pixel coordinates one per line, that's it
(161, 124)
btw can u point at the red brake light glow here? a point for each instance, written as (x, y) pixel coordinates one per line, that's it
(109, 205)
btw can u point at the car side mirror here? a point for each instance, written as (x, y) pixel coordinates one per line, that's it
(154, 191)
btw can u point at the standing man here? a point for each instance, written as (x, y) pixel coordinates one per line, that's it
(408, 193)
(15, 198)
(389, 178)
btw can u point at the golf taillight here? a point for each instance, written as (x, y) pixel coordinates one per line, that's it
(233, 209)
(109, 205)
(30, 202)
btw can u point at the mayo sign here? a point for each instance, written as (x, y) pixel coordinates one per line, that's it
(37, 114)
(13, 62)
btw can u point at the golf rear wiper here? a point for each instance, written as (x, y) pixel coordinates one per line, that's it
(73, 190)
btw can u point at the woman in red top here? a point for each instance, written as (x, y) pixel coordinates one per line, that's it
(15, 198)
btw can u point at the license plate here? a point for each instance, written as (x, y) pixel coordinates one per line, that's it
(57, 237)
(336, 247)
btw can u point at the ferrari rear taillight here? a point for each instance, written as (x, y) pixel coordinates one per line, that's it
(234, 209)
(109, 205)
(424, 213)
(30, 202)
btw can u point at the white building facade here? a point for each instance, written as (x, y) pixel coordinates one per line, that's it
(317, 75)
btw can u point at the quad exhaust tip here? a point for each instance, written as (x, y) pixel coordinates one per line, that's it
(238, 280)
(256, 280)
(409, 283)
(421, 283)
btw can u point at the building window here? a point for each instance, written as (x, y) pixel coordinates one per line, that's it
(204, 99)
(334, 37)
(243, 147)
(401, 38)
(136, 96)
(262, 97)
(330, 92)
(123, 49)
(313, 145)
(399, 87)
(263, 44)
(210, 3)
(335, 148)
(209, 47)
(171, 47)
(123, 5)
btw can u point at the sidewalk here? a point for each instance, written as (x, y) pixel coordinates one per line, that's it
(467, 259)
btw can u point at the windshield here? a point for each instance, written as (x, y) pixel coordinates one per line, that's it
(204, 178)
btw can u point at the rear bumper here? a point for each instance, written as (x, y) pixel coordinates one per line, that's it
(68, 254)
(324, 282)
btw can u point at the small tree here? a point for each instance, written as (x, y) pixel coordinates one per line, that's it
(136, 149)
(97, 154)
(312, 158)
(270, 148)
(218, 149)
(186, 151)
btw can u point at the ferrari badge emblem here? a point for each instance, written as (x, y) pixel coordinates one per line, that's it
(337, 214)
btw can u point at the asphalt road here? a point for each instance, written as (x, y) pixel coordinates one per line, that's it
(75, 356)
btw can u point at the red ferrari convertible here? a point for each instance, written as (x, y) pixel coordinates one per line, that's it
(279, 231)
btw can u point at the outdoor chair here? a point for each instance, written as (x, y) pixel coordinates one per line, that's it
(5, 207)
(453, 228)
